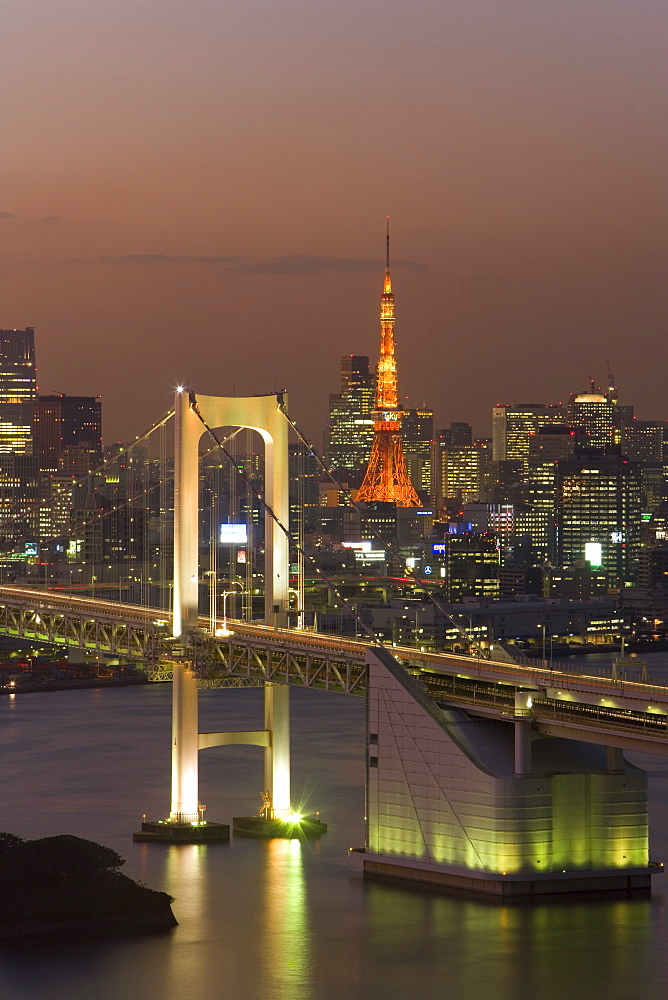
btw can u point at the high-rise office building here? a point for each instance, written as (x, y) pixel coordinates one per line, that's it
(64, 424)
(549, 445)
(472, 566)
(19, 474)
(465, 473)
(457, 435)
(592, 413)
(417, 432)
(18, 388)
(350, 430)
(643, 440)
(20, 492)
(599, 513)
(512, 426)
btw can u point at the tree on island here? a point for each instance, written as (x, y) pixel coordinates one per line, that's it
(66, 883)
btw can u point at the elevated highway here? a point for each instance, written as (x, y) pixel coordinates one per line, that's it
(626, 714)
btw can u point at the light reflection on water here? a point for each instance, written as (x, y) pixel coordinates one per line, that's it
(288, 920)
(285, 929)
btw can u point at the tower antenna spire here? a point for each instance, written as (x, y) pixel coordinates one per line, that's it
(387, 243)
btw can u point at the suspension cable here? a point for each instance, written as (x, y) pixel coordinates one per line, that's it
(286, 531)
(96, 471)
(471, 640)
(101, 514)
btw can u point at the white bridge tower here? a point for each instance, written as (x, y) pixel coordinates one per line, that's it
(263, 414)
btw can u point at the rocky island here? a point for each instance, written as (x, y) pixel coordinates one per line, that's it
(65, 885)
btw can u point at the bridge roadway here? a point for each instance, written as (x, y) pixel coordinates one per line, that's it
(627, 714)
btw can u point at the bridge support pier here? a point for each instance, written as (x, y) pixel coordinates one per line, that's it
(186, 817)
(614, 758)
(277, 754)
(185, 749)
(522, 729)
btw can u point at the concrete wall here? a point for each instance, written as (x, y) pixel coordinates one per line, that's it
(441, 790)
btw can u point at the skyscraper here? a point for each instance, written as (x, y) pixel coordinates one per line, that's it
(386, 479)
(67, 422)
(18, 388)
(350, 431)
(593, 414)
(512, 425)
(551, 444)
(417, 432)
(465, 473)
(598, 513)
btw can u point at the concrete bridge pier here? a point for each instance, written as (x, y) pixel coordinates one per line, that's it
(522, 746)
(185, 747)
(277, 753)
(522, 727)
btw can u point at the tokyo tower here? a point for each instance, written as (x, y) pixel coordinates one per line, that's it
(386, 477)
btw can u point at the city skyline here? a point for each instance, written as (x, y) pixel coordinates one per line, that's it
(197, 196)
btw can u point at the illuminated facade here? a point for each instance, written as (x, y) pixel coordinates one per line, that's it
(593, 414)
(417, 433)
(350, 431)
(472, 566)
(643, 440)
(18, 388)
(548, 446)
(459, 800)
(386, 479)
(20, 492)
(465, 472)
(598, 514)
(512, 426)
(64, 424)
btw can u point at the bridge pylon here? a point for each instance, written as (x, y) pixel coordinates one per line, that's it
(195, 413)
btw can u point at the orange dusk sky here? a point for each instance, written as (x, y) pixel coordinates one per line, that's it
(196, 192)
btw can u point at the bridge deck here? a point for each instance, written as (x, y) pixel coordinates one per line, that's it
(563, 703)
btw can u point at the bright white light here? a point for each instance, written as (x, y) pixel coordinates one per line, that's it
(594, 553)
(233, 534)
(180, 388)
(294, 818)
(222, 632)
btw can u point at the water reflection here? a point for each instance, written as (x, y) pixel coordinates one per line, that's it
(287, 920)
(185, 877)
(519, 951)
(286, 931)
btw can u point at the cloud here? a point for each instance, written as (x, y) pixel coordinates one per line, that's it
(48, 219)
(300, 264)
(141, 259)
(306, 264)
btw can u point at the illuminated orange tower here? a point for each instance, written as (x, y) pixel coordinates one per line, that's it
(386, 477)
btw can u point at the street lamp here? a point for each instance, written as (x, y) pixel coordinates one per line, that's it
(299, 610)
(224, 631)
(468, 632)
(543, 627)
